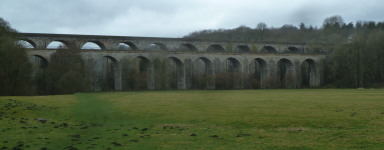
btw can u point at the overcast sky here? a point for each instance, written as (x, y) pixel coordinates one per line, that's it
(176, 18)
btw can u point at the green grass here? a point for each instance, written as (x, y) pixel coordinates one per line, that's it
(234, 119)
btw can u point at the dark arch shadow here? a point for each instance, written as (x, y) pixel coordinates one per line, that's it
(180, 73)
(293, 50)
(190, 47)
(131, 45)
(308, 73)
(268, 49)
(244, 49)
(286, 73)
(261, 70)
(162, 46)
(236, 72)
(108, 75)
(215, 48)
(39, 73)
(208, 75)
(30, 42)
(41, 61)
(150, 72)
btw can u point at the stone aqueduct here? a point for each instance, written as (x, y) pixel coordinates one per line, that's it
(213, 53)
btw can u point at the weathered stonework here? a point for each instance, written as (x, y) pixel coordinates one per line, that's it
(41, 41)
(215, 61)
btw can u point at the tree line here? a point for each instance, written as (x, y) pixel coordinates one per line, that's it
(354, 50)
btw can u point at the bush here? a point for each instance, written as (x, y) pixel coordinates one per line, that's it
(224, 81)
(269, 82)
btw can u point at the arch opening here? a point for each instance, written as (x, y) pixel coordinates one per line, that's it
(126, 46)
(39, 61)
(231, 76)
(107, 74)
(29, 44)
(157, 47)
(286, 77)
(138, 74)
(308, 73)
(243, 49)
(39, 74)
(293, 50)
(259, 72)
(175, 74)
(268, 49)
(160, 76)
(58, 45)
(187, 47)
(95, 45)
(215, 48)
(203, 74)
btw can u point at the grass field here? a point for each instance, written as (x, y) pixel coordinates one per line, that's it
(233, 119)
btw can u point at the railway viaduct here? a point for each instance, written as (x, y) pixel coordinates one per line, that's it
(185, 52)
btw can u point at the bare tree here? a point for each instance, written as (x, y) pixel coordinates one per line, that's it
(261, 27)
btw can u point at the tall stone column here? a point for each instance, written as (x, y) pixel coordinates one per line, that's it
(118, 84)
(210, 75)
(150, 76)
(238, 75)
(188, 73)
(246, 80)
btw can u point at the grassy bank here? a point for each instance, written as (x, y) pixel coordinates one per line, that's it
(244, 119)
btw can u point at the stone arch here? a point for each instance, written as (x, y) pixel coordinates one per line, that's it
(189, 46)
(38, 61)
(233, 65)
(286, 76)
(244, 49)
(181, 84)
(268, 49)
(161, 46)
(209, 72)
(215, 48)
(113, 73)
(131, 45)
(308, 75)
(34, 45)
(98, 43)
(150, 72)
(292, 49)
(65, 43)
(259, 69)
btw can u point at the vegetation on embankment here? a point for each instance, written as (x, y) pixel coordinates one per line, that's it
(245, 119)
